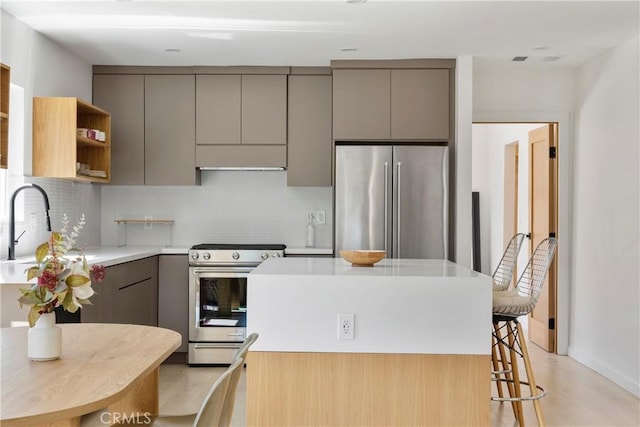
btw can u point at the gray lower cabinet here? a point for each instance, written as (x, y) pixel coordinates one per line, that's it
(129, 294)
(173, 296)
(123, 96)
(309, 144)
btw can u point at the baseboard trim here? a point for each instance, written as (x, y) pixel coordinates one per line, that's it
(605, 370)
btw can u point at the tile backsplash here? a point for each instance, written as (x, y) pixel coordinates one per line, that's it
(71, 198)
(228, 207)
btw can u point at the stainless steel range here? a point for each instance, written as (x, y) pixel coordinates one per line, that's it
(218, 298)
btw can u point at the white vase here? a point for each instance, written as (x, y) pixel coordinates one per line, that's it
(45, 339)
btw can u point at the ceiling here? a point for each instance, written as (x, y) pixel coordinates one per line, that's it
(312, 33)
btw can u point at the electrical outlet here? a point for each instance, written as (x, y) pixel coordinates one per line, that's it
(321, 217)
(33, 220)
(346, 326)
(148, 225)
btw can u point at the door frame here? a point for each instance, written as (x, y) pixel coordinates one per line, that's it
(565, 149)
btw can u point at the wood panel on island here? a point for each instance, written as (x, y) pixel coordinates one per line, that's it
(71, 139)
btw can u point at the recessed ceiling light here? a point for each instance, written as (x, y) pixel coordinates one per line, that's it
(551, 58)
(349, 49)
(356, 1)
(541, 48)
(172, 50)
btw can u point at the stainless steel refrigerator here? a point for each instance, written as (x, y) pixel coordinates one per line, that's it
(392, 197)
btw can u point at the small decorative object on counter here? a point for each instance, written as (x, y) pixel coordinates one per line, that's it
(362, 258)
(311, 232)
(62, 280)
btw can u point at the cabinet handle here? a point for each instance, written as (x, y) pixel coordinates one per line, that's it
(134, 283)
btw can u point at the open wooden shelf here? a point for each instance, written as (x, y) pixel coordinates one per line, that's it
(122, 228)
(5, 81)
(57, 148)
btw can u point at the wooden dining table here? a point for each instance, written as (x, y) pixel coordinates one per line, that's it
(112, 366)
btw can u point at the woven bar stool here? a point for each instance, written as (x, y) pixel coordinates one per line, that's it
(508, 337)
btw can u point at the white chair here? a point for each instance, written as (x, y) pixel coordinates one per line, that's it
(229, 402)
(217, 407)
(508, 306)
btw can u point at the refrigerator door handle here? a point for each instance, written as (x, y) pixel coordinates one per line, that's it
(386, 207)
(399, 193)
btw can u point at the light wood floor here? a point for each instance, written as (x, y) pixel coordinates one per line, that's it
(577, 396)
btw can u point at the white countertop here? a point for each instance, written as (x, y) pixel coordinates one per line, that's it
(308, 251)
(439, 268)
(399, 306)
(14, 272)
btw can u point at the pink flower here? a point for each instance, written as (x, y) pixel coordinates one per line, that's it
(97, 273)
(48, 280)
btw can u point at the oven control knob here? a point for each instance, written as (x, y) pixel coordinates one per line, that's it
(275, 255)
(264, 255)
(206, 256)
(235, 255)
(195, 255)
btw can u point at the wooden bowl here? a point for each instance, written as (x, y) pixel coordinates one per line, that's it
(362, 258)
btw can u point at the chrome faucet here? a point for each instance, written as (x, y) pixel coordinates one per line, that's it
(12, 217)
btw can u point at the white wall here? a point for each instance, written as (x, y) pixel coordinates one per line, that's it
(511, 93)
(489, 141)
(605, 315)
(43, 68)
(228, 207)
(462, 153)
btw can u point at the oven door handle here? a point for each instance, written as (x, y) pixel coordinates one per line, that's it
(217, 345)
(225, 272)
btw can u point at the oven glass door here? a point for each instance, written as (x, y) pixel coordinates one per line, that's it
(220, 302)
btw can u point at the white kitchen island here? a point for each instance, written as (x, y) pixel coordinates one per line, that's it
(420, 353)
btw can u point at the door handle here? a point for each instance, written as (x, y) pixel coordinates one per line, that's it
(399, 186)
(386, 207)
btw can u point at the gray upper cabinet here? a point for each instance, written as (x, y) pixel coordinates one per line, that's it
(419, 104)
(264, 109)
(123, 96)
(361, 104)
(241, 120)
(241, 109)
(169, 103)
(391, 104)
(309, 145)
(218, 109)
